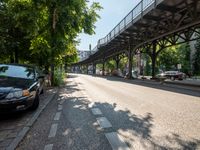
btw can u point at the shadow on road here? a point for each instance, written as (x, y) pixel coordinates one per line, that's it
(134, 128)
(11, 116)
(140, 128)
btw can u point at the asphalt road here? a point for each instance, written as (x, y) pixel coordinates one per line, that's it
(109, 113)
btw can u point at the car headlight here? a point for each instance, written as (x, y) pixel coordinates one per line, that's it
(17, 94)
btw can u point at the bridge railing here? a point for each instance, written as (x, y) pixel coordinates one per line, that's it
(133, 14)
(126, 21)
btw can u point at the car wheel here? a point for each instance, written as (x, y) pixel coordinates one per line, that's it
(35, 103)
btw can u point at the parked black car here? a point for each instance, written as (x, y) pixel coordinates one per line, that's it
(20, 86)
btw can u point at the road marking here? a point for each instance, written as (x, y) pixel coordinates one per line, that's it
(116, 142)
(57, 116)
(91, 105)
(103, 122)
(131, 119)
(96, 111)
(53, 130)
(48, 147)
(61, 101)
(60, 107)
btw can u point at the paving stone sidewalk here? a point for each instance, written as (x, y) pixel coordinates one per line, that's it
(11, 125)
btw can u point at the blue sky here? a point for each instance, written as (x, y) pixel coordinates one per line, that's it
(112, 13)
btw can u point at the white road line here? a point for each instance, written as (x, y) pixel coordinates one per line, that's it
(53, 130)
(57, 116)
(116, 142)
(48, 147)
(60, 107)
(91, 105)
(96, 111)
(62, 101)
(103, 122)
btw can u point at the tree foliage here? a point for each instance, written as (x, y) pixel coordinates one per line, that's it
(170, 57)
(43, 32)
(196, 59)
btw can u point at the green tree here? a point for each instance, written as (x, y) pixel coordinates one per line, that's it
(196, 59)
(31, 30)
(17, 23)
(171, 56)
(66, 19)
(184, 57)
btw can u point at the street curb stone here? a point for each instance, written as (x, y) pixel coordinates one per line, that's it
(20, 136)
(18, 139)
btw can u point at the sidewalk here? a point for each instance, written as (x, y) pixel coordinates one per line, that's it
(191, 82)
(187, 83)
(14, 127)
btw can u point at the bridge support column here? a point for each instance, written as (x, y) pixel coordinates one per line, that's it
(81, 69)
(117, 61)
(87, 69)
(94, 68)
(153, 59)
(130, 62)
(103, 68)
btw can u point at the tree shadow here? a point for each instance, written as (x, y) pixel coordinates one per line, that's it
(176, 142)
(133, 128)
(136, 128)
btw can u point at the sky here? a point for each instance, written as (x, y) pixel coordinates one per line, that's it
(112, 13)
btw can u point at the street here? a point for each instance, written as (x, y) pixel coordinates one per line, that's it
(111, 113)
(100, 75)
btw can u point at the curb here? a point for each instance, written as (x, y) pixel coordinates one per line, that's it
(188, 86)
(20, 136)
(183, 84)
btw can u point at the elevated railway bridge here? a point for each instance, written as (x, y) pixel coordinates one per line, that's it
(148, 28)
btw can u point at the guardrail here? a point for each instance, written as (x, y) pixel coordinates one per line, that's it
(133, 14)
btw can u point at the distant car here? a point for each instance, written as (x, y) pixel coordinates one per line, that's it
(173, 75)
(20, 86)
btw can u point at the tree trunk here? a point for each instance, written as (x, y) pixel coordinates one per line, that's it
(52, 74)
(12, 58)
(53, 21)
(16, 55)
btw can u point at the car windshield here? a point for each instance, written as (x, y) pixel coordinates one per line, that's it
(17, 71)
